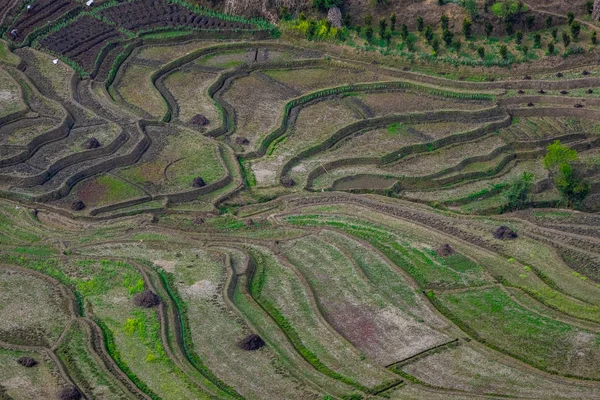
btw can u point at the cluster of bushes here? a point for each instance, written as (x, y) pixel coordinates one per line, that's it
(566, 174)
(316, 29)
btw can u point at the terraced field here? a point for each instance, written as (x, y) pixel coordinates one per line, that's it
(192, 207)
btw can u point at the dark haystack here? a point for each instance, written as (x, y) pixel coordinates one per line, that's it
(505, 233)
(252, 342)
(584, 73)
(590, 91)
(77, 205)
(542, 91)
(91, 143)
(146, 299)
(461, 78)
(491, 79)
(69, 393)
(445, 250)
(242, 141)
(559, 75)
(199, 120)
(564, 92)
(405, 68)
(527, 77)
(521, 91)
(248, 222)
(578, 105)
(27, 362)
(198, 182)
(198, 221)
(529, 104)
(286, 181)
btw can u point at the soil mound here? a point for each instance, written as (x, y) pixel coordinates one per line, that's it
(445, 250)
(146, 299)
(286, 181)
(252, 342)
(242, 141)
(198, 182)
(198, 221)
(77, 205)
(27, 362)
(91, 143)
(69, 393)
(199, 120)
(505, 233)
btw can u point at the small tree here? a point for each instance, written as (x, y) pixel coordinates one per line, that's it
(387, 36)
(457, 44)
(382, 27)
(481, 52)
(558, 153)
(575, 30)
(489, 28)
(518, 196)
(548, 22)
(519, 37)
(428, 33)
(508, 27)
(444, 21)
(441, 2)
(369, 33)
(551, 48)
(594, 38)
(467, 27)
(566, 39)
(525, 50)
(504, 52)
(530, 21)
(447, 36)
(393, 22)
(368, 20)
(537, 40)
(589, 7)
(404, 32)
(554, 33)
(570, 17)
(435, 45)
(420, 23)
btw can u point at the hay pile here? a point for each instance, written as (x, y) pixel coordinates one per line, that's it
(69, 393)
(445, 250)
(198, 182)
(27, 362)
(146, 299)
(198, 221)
(286, 181)
(242, 141)
(199, 120)
(505, 233)
(91, 143)
(77, 205)
(252, 342)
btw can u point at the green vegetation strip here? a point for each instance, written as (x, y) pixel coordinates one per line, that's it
(255, 288)
(167, 280)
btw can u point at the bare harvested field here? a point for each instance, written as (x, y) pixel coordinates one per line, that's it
(202, 205)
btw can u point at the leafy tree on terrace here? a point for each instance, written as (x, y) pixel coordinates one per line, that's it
(530, 21)
(548, 22)
(575, 29)
(589, 7)
(382, 27)
(369, 33)
(570, 17)
(519, 194)
(560, 160)
(551, 48)
(481, 52)
(368, 20)
(566, 39)
(327, 4)
(435, 45)
(467, 27)
(428, 33)
(537, 40)
(594, 38)
(457, 44)
(471, 7)
(420, 23)
(554, 33)
(519, 37)
(447, 36)
(557, 153)
(404, 32)
(393, 22)
(503, 52)
(444, 21)
(489, 28)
